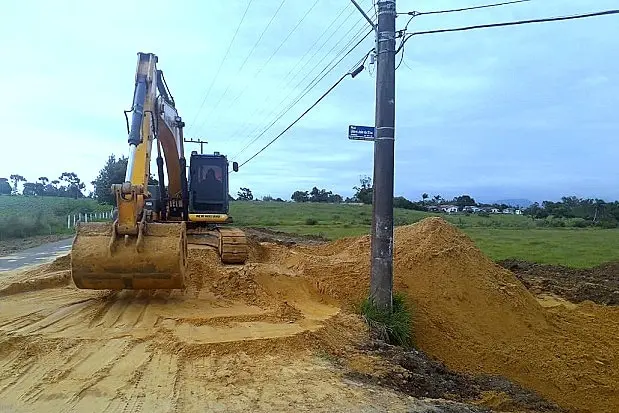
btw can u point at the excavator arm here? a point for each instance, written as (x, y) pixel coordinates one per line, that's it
(133, 252)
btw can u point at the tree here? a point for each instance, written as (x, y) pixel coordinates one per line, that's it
(463, 201)
(300, 196)
(113, 172)
(365, 192)
(335, 198)
(16, 178)
(267, 198)
(438, 199)
(5, 187)
(74, 184)
(244, 195)
(401, 202)
(30, 188)
(424, 196)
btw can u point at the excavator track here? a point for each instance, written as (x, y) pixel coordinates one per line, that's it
(232, 246)
(231, 243)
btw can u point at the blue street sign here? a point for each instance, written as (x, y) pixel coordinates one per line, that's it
(361, 133)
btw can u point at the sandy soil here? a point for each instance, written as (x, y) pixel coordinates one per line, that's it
(277, 334)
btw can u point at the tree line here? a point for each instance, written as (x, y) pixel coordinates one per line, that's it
(67, 185)
(580, 212)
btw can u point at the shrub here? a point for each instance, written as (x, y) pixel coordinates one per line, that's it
(311, 221)
(395, 327)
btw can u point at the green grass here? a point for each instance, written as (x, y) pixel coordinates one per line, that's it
(24, 216)
(498, 236)
(570, 247)
(394, 327)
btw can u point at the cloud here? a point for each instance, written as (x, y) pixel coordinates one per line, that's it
(524, 111)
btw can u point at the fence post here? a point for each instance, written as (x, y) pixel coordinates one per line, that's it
(68, 221)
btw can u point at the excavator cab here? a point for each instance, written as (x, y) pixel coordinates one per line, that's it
(209, 205)
(208, 184)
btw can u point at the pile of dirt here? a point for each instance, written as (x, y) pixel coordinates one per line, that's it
(478, 317)
(598, 284)
(51, 275)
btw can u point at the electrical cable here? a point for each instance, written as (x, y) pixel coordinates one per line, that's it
(308, 88)
(250, 52)
(220, 65)
(352, 74)
(514, 23)
(243, 127)
(415, 13)
(269, 59)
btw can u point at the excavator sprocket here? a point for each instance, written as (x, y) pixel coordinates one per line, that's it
(231, 243)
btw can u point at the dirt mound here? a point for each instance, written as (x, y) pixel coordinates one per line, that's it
(598, 284)
(55, 274)
(478, 317)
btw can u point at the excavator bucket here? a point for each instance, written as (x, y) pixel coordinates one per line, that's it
(156, 259)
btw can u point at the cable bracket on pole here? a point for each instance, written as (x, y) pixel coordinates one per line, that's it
(364, 14)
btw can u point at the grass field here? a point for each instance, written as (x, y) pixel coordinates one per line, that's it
(24, 216)
(499, 236)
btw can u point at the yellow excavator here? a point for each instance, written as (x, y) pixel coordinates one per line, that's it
(146, 245)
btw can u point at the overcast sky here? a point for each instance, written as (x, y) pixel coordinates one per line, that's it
(516, 112)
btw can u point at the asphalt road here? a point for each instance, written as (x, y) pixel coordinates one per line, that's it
(35, 256)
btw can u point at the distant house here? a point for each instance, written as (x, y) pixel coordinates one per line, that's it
(495, 211)
(518, 212)
(450, 209)
(433, 208)
(472, 209)
(509, 211)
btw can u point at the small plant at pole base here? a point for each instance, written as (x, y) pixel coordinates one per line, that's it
(393, 328)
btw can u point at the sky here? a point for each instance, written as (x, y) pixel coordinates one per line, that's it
(514, 112)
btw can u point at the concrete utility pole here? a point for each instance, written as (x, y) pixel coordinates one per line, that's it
(381, 281)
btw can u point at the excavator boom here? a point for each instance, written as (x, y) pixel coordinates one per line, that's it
(136, 252)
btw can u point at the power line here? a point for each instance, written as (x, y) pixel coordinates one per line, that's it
(307, 89)
(351, 73)
(514, 23)
(317, 79)
(246, 59)
(270, 57)
(416, 13)
(221, 64)
(243, 127)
